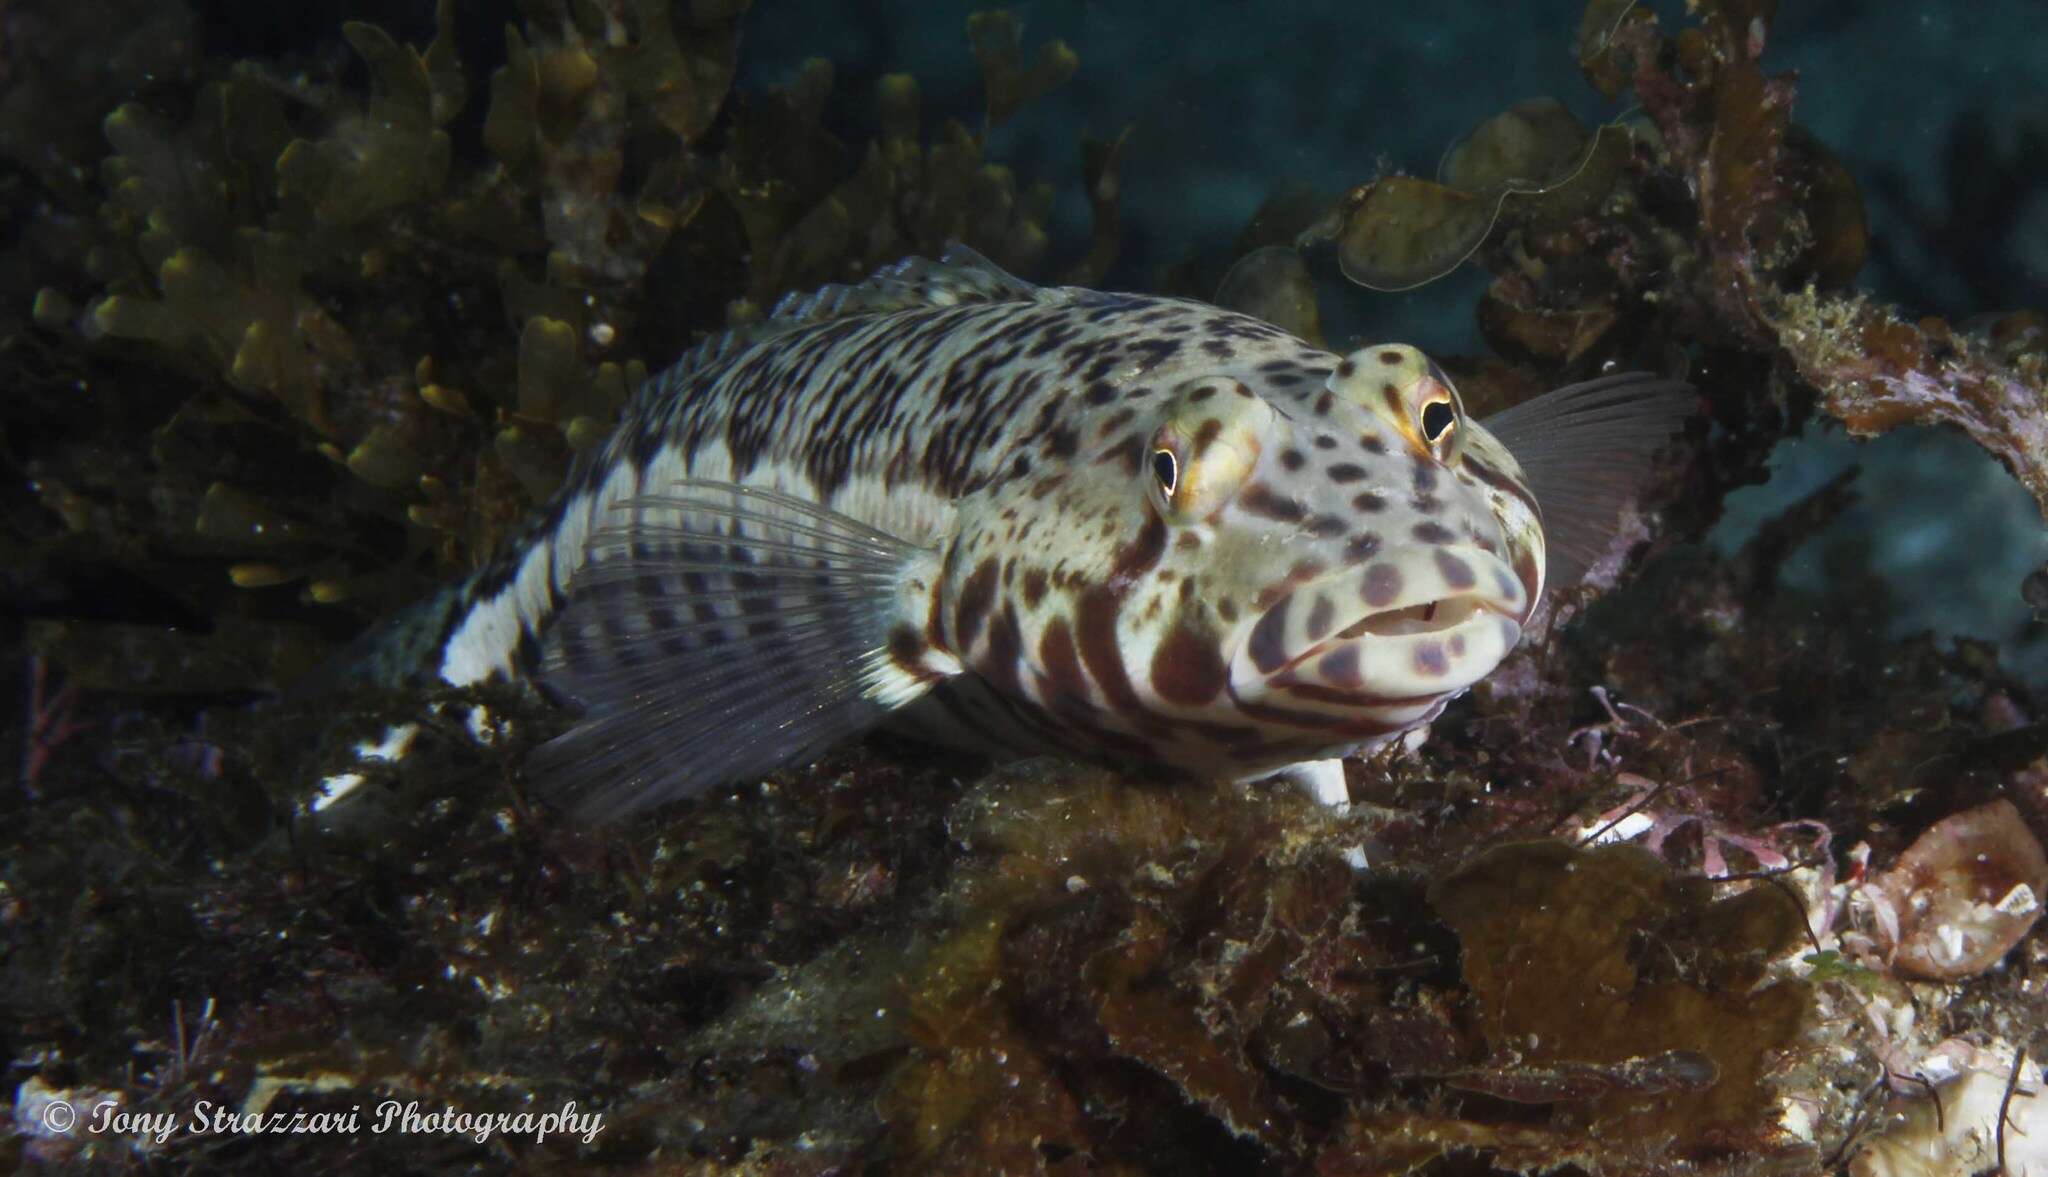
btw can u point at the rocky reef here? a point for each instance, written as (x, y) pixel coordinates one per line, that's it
(1710, 875)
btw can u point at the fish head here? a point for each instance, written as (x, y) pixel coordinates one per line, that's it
(1390, 552)
(1265, 571)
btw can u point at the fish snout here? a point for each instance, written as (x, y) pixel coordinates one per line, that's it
(1408, 627)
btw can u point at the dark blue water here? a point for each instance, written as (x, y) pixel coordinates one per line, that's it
(1939, 110)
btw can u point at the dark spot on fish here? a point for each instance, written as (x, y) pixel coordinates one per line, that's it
(1430, 660)
(1020, 466)
(1292, 459)
(1344, 472)
(1368, 502)
(907, 649)
(1372, 443)
(1345, 367)
(1259, 499)
(1061, 443)
(1339, 667)
(1361, 547)
(1326, 526)
(1425, 476)
(1227, 610)
(1457, 645)
(1201, 394)
(1324, 403)
(1305, 571)
(1188, 541)
(1426, 504)
(1186, 668)
(976, 596)
(1325, 442)
(1101, 393)
(1382, 585)
(1128, 452)
(1267, 645)
(1034, 587)
(1320, 615)
(1433, 533)
(1457, 573)
(1390, 358)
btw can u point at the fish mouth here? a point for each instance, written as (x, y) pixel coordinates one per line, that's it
(1387, 640)
(1438, 616)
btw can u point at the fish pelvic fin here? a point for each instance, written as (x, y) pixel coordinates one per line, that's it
(718, 631)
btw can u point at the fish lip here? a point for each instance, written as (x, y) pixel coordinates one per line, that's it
(1458, 611)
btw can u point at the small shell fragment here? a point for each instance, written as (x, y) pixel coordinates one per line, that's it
(1964, 893)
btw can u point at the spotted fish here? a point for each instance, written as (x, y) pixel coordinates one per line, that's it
(1112, 526)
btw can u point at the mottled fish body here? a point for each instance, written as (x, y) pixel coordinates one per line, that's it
(1040, 519)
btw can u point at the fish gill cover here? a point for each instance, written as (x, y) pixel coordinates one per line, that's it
(289, 341)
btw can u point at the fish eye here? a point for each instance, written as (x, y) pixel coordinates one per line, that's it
(1438, 418)
(1204, 449)
(1405, 389)
(1166, 468)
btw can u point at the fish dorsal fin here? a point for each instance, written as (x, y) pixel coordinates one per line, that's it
(717, 631)
(959, 276)
(1586, 450)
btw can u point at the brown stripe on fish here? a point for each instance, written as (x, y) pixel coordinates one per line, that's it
(1097, 610)
(976, 598)
(1188, 667)
(1003, 665)
(1060, 664)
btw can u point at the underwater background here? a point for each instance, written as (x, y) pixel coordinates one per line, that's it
(296, 323)
(1233, 102)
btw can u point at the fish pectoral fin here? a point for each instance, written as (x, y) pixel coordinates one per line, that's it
(1586, 450)
(717, 631)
